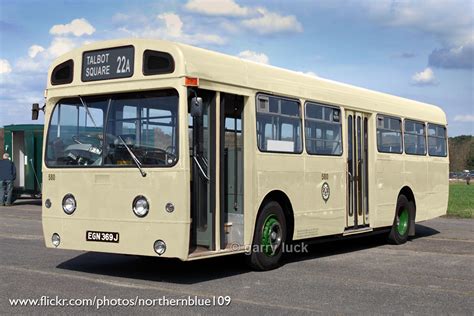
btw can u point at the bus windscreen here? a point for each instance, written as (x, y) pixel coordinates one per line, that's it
(88, 131)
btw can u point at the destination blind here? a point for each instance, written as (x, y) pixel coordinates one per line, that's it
(109, 63)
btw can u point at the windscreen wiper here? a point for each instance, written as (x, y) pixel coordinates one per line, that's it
(203, 173)
(87, 111)
(134, 158)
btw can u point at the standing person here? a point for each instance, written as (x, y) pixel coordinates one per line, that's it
(7, 176)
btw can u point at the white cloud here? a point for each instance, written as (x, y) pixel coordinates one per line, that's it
(270, 22)
(25, 64)
(40, 58)
(468, 118)
(424, 78)
(257, 19)
(167, 26)
(217, 7)
(254, 56)
(174, 25)
(77, 27)
(5, 67)
(61, 45)
(34, 50)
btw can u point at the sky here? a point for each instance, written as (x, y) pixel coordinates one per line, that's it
(421, 50)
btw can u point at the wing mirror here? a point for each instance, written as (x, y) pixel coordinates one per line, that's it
(196, 107)
(35, 111)
(35, 108)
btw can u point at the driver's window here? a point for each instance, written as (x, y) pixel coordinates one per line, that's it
(75, 133)
(91, 122)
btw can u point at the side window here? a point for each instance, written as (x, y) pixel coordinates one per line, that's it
(437, 140)
(389, 134)
(278, 124)
(415, 138)
(323, 130)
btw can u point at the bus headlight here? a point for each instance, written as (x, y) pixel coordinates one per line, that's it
(140, 206)
(55, 240)
(69, 204)
(160, 247)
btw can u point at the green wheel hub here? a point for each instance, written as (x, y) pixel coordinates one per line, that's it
(271, 235)
(402, 222)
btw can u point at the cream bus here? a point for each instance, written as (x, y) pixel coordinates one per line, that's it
(156, 148)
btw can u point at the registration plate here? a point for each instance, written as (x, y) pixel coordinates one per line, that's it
(102, 236)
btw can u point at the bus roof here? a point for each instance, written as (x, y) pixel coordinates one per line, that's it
(230, 70)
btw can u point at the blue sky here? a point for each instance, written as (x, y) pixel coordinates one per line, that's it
(422, 50)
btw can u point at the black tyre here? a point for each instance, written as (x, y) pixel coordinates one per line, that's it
(269, 238)
(401, 223)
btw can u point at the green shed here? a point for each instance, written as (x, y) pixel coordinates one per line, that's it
(24, 143)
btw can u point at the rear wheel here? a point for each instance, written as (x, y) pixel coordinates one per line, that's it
(401, 224)
(269, 238)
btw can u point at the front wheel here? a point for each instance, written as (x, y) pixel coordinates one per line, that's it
(269, 238)
(404, 210)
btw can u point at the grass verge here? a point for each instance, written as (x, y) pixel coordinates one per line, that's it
(461, 200)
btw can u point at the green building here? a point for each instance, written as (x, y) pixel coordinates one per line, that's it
(24, 144)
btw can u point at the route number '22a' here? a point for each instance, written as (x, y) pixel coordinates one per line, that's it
(123, 65)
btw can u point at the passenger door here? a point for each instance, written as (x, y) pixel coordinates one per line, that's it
(208, 195)
(203, 158)
(231, 170)
(357, 215)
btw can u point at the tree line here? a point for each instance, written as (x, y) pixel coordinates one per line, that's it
(461, 153)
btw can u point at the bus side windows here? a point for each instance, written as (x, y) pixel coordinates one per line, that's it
(415, 138)
(278, 124)
(389, 134)
(323, 130)
(437, 140)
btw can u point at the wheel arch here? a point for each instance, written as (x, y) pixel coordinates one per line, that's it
(281, 198)
(408, 193)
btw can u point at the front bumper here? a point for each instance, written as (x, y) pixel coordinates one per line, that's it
(136, 238)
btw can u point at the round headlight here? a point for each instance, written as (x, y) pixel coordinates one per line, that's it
(69, 204)
(55, 240)
(47, 203)
(160, 247)
(140, 206)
